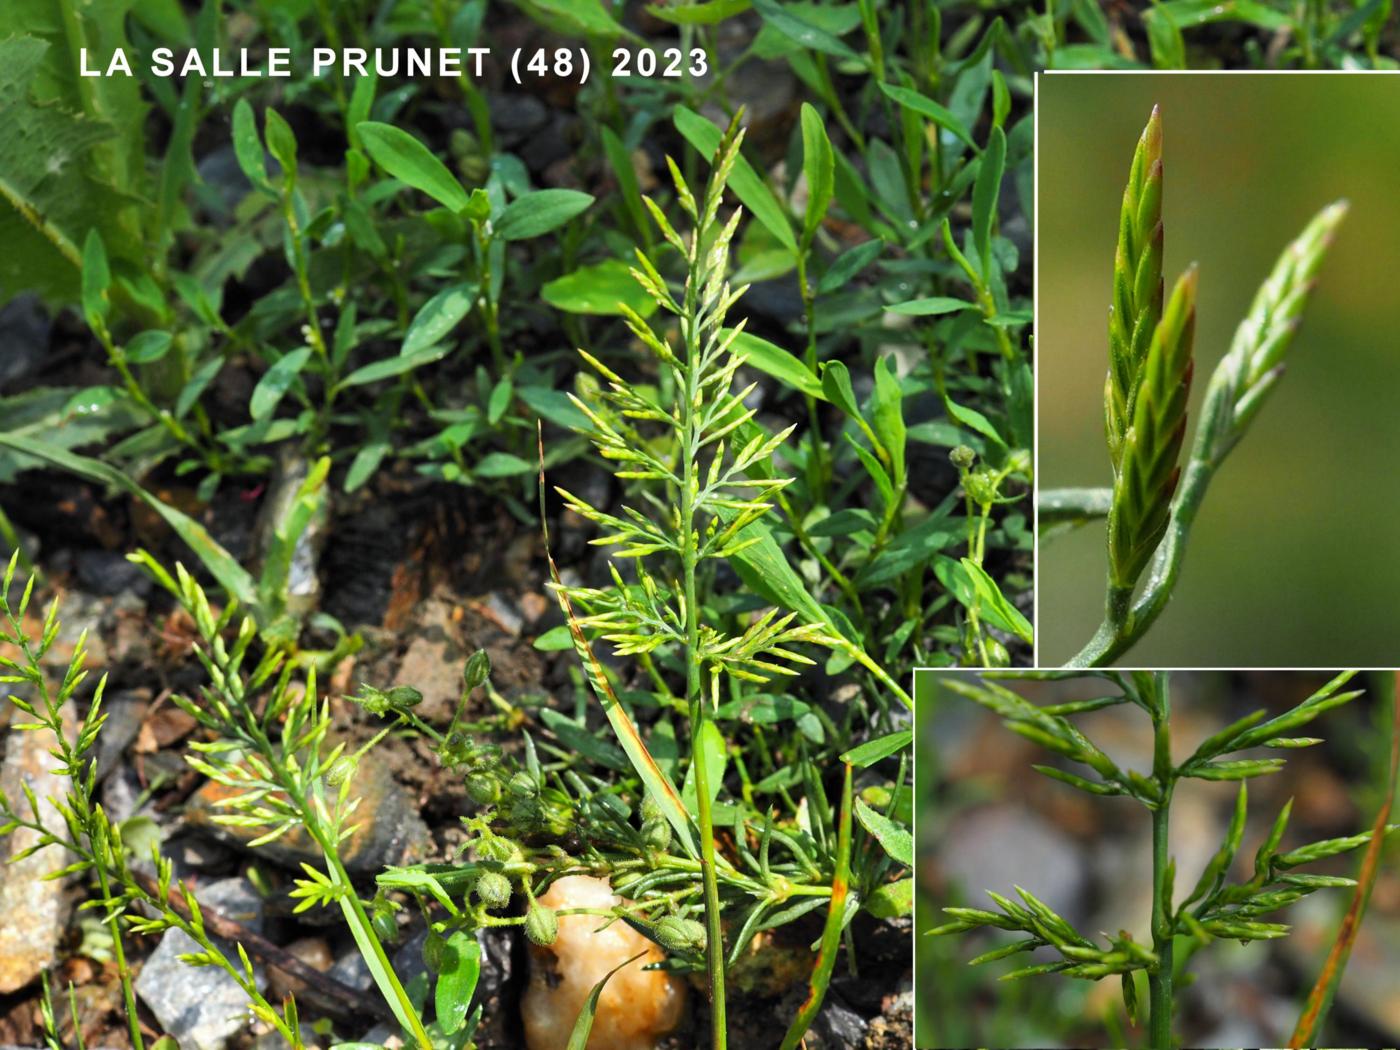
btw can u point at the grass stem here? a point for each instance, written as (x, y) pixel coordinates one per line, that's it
(691, 427)
(1159, 981)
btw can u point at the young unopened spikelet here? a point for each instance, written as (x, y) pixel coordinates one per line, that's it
(1137, 283)
(1147, 457)
(1254, 364)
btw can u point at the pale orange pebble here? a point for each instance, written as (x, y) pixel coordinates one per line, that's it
(637, 1006)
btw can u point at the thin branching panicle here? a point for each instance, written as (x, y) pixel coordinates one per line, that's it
(702, 495)
(1216, 907)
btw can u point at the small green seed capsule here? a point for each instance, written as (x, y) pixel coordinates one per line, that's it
(963, 457)
(541, 924)
(342, 771)
(476, 672)
(386, 927)
(651, 810)
(997, 656)
(372, 700)
(483, 789)
(404, 696)
(680, 935)
(656, 834)
(522, 785)
(497, 848)
(493, 889)
(434, 949)
(981, 485)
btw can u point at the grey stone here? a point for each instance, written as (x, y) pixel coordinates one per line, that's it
(352, 970)
(221, 174)
(408, 960)
(24, 337)
(193, 854)
(35, 908)
(504, 615)
(121, 793)
(125, 709)
(109, 573)
(272, 1040)
(515, 116)
(381, 1035)
(499, 949)
(499, 946)
(1002, 847)
(202, 1007)
(836, 1026)
(549, 145)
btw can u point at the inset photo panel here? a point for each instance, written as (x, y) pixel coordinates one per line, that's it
(1218, 333)
(1156, 859)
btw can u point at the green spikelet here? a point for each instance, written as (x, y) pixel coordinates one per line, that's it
(1248, 373)
(1137, 284)
(1148, 471)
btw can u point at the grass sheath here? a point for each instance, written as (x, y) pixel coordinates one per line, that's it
(1153, 502)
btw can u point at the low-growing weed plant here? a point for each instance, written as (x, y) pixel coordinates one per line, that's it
(704, 506)
(1154, 501)
(314, 292)
(1218, 907)
(1182, 34)
(265, 734)
(387, 299)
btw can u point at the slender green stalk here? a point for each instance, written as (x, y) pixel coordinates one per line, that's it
(133, 1022)
(1159, 980)
(694, 697)
(283, 785)
(361, 929)
(711, 478)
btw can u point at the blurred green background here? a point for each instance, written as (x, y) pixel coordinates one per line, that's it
(1295, 556)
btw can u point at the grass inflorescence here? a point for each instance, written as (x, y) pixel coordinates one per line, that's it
(1155, 496)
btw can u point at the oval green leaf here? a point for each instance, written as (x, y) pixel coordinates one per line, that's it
(275, 382)
(539, 212)
(601, 288)
(405, 158)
